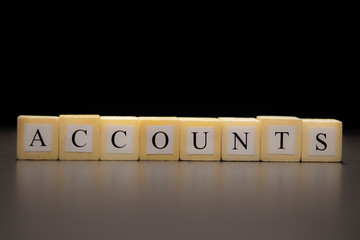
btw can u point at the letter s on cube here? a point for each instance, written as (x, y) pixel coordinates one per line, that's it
(321, 140)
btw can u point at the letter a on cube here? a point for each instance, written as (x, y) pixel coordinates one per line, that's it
(280, 138)
(37, 137)
(322, 140)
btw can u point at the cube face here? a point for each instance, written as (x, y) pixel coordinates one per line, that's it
(119, 138)
(37, 137)
(79, 137)
(321, 140)
(200, 139)
(159, 138)
(280, 138)
(240, 139)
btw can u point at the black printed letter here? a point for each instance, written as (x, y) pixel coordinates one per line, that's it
(73, 137)
(282, 138)
(166, 140)
(113, 139)
(241, 141)
(194, 137)
(321, 141)
(38, 139)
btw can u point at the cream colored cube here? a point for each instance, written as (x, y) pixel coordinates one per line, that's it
(321, 140)
(240, 139)
(200, 139)
(119, 138)
(79, 137)
(37, 137)
(280, 138)
(159, 138)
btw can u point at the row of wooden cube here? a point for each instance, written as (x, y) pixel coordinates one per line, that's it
(94, 137)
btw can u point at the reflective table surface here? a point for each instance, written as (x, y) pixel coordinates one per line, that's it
(178, 200)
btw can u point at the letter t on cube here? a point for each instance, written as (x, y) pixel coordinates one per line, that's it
(280, 138)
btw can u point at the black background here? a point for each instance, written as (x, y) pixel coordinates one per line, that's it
(268, 73)
(239, 100)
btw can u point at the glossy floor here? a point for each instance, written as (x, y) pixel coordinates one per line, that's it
(178, 200)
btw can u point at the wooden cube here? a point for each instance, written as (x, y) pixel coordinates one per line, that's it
(119, 138)
(159, 138)
(321, 140)
(240, 139)
(200, 139)
(37, 137)
(280, 138)
(79, 137)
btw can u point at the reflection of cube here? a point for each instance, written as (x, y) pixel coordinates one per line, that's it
(322, 140)
(159, 138)
(200, 139)
(79, 137)
(240, 139)
(119, 138)
(37, 137)
(280, 138)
